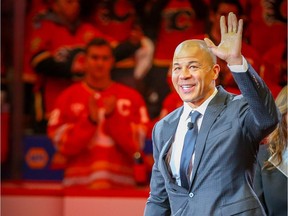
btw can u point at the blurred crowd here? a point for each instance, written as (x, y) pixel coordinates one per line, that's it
(143, 35)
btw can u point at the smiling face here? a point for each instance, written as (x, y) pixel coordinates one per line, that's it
(194, 72)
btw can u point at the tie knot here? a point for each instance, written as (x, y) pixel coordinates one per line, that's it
(194, 116)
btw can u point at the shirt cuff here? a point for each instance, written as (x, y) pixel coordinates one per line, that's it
(239, 68)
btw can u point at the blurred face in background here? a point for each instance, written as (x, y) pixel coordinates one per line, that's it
(67, 9)
(98, 64)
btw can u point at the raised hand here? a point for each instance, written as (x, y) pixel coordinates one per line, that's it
(229, 48)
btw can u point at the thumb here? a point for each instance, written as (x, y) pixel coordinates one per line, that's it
(209, 43)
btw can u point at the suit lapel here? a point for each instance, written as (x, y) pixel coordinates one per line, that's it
(213, 110)
(169, 126)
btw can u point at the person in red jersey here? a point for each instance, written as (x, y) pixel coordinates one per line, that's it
(98, 126)
(120, 20)
(29, 77)
(56, 37)
(56, 46)
(34, 8)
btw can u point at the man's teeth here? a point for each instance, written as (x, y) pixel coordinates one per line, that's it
(186, 86)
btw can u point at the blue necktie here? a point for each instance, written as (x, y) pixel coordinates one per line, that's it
(188, 149)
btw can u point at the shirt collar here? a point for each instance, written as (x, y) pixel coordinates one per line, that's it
(201, 109)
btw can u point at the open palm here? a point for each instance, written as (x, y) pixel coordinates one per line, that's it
(229, 48)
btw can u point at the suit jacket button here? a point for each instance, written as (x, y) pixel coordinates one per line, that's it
(191, 195)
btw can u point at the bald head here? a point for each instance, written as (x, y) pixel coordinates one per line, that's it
(190, 48)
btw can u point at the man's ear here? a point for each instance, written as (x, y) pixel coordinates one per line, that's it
(216, 71)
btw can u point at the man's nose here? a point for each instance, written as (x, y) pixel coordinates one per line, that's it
(185, 73)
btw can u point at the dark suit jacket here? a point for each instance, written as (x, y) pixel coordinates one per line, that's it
(225, 154)
(270, 186)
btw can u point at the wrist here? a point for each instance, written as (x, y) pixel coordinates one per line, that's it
(235, 61)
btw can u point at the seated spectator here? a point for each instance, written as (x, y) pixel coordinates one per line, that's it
(272, 165)
(98, 126)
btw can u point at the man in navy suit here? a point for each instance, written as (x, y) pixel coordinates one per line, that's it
(230, 128)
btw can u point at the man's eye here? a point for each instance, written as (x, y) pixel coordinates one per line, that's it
(176, 69)
(193, 67)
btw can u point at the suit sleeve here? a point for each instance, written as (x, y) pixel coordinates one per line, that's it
(44, 63)
(157, 203)
(258, 184)
(263, 114)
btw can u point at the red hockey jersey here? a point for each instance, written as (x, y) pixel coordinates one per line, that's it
(98, 156)
(50, 38)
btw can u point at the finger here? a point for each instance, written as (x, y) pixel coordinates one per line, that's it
(230, 22)
(234, 23)
(240, 27)
(223, 26)
(209, 43)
